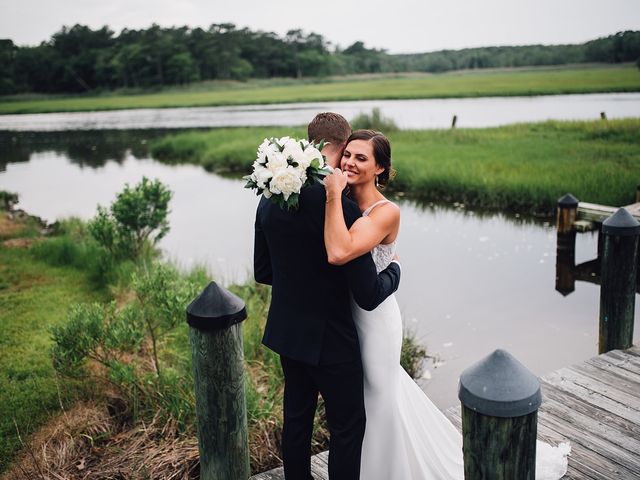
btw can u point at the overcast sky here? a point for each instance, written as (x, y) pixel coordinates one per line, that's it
(400, 26)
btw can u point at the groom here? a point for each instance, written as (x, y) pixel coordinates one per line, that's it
(309, 323)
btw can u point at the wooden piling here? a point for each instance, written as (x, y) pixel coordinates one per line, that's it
(500, 400)
(566, 213)
(618, 280)
(565, 262)
(218, 376)
(638, 194)
(454, 121)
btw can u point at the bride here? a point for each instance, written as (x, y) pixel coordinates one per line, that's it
(406, 436)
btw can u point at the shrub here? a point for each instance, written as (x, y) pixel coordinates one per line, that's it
(136, 217)
(8, 200)
(412, 356)
(125, 342)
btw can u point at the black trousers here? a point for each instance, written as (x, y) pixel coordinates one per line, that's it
(341, 387)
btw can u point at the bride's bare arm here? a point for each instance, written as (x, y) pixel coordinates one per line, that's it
(342, 244)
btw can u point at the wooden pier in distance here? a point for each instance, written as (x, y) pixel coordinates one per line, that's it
(591, 215)
(594, 405)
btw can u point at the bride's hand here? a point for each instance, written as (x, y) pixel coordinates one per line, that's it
(335, 183)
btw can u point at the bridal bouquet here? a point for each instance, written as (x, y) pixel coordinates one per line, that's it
(284, 167)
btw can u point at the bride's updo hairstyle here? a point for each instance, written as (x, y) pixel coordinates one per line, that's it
(381, 152)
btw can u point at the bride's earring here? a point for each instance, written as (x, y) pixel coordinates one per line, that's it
(377, 184)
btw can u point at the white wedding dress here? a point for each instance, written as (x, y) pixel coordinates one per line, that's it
(407, 437)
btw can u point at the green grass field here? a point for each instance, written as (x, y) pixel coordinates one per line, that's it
(33, 296)
(523, 168)
(479, 83)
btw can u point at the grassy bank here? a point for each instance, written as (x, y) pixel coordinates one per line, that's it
(33, 296)
(523, 168)
(501, 82)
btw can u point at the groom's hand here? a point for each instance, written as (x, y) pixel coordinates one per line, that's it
(335, 183)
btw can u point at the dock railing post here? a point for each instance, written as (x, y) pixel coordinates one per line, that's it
(567, 212)
(620, 233)
(218, 375)
(500, 400)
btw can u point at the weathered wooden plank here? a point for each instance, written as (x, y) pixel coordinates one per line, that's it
(581, 385)
(611, 432)
(634, 350)
(585, 408)
(583, 463)
(623, 459)
(319, 466)
(626, 359)
(602, 402)
(609, 378)
(598, 213)
(617, 366)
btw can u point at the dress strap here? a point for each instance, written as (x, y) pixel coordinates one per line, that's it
(379, 202)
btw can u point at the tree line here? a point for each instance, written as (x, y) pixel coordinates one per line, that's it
(79, 59)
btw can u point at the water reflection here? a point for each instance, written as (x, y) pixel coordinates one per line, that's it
(86, 149)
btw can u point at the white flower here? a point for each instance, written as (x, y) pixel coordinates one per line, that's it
(292, 149)
(276, 161)
(261, 175)
(308, 155)
(286, 181)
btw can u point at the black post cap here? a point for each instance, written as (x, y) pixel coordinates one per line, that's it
(621, 224)
(216, 308)
(568, 201)
(500, 386)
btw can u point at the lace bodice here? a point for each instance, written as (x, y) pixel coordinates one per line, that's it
(382, 254)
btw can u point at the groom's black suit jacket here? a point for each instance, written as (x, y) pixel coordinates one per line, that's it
(310, 314)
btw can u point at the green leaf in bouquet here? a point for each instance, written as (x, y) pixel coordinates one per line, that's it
(315, 163)
(292, 201)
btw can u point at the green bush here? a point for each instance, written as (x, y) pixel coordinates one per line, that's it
(413, 355)
(138, 216)
(127, 343)
(8, 200)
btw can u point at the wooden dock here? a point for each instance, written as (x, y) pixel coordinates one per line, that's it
(595, 405)
(591, 215)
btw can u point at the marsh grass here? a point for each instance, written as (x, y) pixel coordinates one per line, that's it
(522, 168)
(467, 83)
(33, 295)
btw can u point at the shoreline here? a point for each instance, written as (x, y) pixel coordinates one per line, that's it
(616, 78)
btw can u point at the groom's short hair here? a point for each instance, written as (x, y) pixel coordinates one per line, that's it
(330, 127)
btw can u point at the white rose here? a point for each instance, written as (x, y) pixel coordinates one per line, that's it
(308, 155)
(302, 173)
(262, 176)
(286, 182)
(292, 149)
(283, 141)
(276, 161)
(265, 143)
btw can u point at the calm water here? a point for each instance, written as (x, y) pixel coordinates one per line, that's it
(430, 113)
(471, 282)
